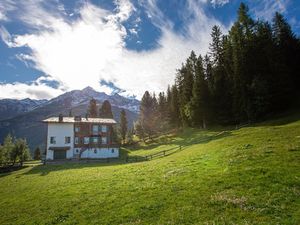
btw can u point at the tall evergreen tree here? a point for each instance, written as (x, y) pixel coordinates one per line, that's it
(105, 110)
(185, 79)
(92, 110)
(218, 79)
(162, 111)
(200, 99)
(216, 46)
(287, 60)
(148, 108)
(123, 125)
(174, 108)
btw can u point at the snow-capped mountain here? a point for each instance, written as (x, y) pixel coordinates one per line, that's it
(78, 97)
(12, 107)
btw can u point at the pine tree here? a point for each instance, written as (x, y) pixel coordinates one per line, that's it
(175, 111)
(216, 46)
(105, 110)
(162, 110)
(218, 79)
(123, 125)
(92, 110)
(200, 99)
(139, 130)
(169, 105)
(287, 61)
(185, 79)
(148, 114)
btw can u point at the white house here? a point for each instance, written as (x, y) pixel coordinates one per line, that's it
(80, 138)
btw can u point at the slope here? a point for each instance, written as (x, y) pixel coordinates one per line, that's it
(245, 176)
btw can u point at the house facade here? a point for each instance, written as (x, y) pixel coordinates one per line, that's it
(80, 138)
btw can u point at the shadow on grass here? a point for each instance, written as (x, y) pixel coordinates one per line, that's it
(65, 165)
(185, 139)
(44, 170)
(280, 119)
(9, 170)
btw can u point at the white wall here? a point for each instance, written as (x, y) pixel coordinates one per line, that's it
(60, 131)
(100, 153)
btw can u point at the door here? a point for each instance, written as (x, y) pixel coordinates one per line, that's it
(58, 154)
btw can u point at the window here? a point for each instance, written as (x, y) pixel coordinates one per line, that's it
(95, 140)
(77, 150)
(103, 128)
(67, 140)
(95, 129)
(52, 140)
(86, 140)
(77, 129)
(76, 140)
(104, 140)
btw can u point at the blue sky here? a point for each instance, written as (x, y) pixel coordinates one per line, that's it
(49, 47)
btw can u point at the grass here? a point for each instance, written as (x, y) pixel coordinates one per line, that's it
(246, 176)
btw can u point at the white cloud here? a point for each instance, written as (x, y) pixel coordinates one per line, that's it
(216, 3)
(267, 8)
(6, 37)
(5, 8)
(33, 90)
(80, 53)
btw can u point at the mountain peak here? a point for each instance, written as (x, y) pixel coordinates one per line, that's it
(88, 89)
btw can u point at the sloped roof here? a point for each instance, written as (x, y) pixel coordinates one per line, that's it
(83, 120)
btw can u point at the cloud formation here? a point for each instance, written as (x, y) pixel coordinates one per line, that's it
(91, 48)
(267, 8)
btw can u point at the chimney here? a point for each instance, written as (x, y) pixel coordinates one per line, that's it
(60, 118)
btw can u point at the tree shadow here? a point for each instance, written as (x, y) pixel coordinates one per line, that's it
(44, 170)
(9, 170)
(281, 119)
(186, 139)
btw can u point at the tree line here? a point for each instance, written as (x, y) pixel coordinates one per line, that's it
(248, 74)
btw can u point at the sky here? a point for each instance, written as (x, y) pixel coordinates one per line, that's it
(115, 46)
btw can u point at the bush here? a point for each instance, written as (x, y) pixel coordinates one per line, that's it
(14, 150)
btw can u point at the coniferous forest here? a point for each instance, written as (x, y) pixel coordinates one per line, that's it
(247, 75)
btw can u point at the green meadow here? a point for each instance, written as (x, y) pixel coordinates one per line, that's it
(221, 176)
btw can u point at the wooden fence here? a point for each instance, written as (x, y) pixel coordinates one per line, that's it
(152, 156)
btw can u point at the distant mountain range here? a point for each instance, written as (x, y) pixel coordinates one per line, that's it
(22, 118)
(12, 107)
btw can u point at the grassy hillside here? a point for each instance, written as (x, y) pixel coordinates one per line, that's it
(245, 176)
